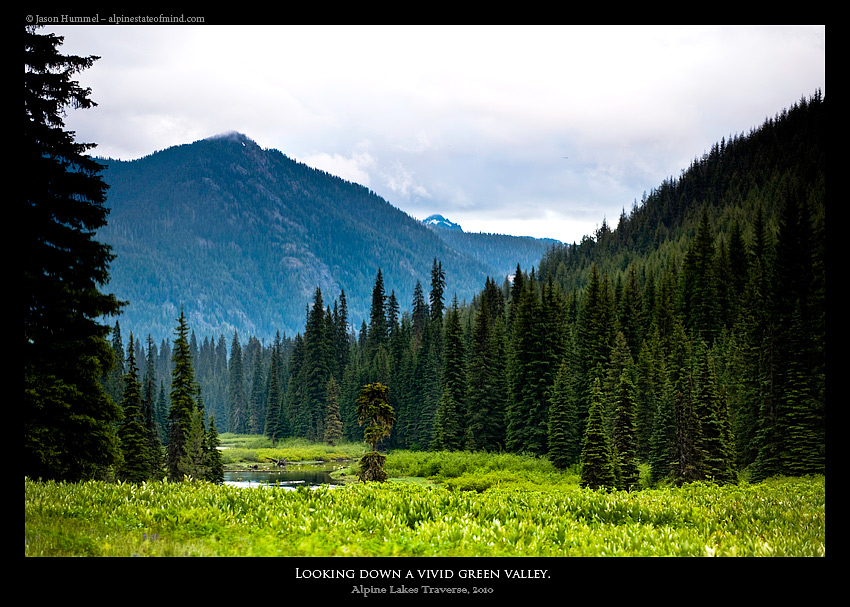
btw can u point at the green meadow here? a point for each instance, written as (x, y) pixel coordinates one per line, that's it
(451, 504)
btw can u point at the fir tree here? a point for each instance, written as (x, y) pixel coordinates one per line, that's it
(193, 464)
(69, 420)
(135, 467)
(420, 315)
(597, 466)
(449, 420)
(564, 440)
(259, 389)
(593, 336)
(114, 380)
(438, 288)
(236, 396)
(183, 420)
(333, 424)
(151, 417)
(341, 334)
(485, 428)
(214, 464)
(378, 329)
(274, 398)
(624, 437)
(663, 463)
(700, 299)
(717, 459)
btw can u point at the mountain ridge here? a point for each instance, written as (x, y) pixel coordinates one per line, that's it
(242, 236)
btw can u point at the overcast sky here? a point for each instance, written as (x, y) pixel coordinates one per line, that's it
(532, 131)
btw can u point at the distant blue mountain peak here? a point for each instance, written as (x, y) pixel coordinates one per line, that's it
(438, 221)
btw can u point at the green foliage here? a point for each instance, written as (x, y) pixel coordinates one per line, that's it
(136, 464)
(442, 465)
(597, 464)
(782, 517)
(373, 408)
(685, 300)
(69, 420)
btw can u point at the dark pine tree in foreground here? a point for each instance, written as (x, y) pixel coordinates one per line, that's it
(69, 421)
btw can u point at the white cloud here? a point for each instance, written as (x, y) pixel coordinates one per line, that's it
(356, 168)
(467, 120)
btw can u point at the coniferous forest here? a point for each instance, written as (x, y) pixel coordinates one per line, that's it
(690, 337)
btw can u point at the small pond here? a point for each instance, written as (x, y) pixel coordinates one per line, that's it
(309, 475)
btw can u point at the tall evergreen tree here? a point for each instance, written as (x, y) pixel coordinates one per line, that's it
(274, 398)
(214, 463)
(624, 438)
(597, 466)
(183, 420)
(485, 428)
(564, 441)
(135, 467)
(594, 333)
(699, 289)
(69, 421)
(792, 439)
(420, 315)
(319, 358)
(438, 289)
(236, 395)
(341, 333)
(151, 416)
(710, 408)
(449, 421)
(114, 380)
(378, 329)
(259, 390)
(333, 423)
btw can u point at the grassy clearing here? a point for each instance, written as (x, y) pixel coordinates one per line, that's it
(240, 450)
(782, 517)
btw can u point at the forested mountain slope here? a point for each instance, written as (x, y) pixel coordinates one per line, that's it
(241, 237)
(749, 175)
(498, 250)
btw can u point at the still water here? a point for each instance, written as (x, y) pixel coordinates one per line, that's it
(291, 477)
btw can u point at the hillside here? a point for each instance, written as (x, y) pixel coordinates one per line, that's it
(241, 237)
(498, 250)
(742, 183)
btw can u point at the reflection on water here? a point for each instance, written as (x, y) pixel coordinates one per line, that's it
(292, 477)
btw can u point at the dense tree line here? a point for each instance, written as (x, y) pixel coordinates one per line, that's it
(691, 338)
(702, 357)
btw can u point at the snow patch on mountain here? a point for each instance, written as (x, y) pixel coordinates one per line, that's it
(438, 221)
